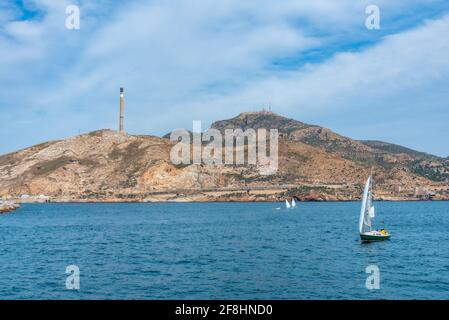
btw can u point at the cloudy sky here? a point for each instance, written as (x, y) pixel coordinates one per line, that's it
(183, 60)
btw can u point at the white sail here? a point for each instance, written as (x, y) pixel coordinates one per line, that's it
(293, 203)
(369, 204)
(287, 204)
(371, 212)
(364, 220)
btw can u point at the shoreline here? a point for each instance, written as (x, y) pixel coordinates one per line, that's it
(272, 193)
(243, 201)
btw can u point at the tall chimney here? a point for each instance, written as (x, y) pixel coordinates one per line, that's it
(122, 106)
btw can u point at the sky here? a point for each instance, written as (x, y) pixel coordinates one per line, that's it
(182, 60)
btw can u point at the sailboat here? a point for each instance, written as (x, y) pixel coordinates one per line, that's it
(287, 204)
(367, 213)
(293, 203)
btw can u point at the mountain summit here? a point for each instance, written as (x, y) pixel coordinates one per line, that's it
(262, 119)
(315, 163)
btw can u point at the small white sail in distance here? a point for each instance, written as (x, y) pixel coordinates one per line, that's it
(365, 219)
(287, 204)
(293, 202)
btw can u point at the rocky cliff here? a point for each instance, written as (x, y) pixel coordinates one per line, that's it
(314, 164)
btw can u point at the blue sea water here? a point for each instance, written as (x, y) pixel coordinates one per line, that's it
(222, 251)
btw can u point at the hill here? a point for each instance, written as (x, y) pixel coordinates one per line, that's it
(314, 164)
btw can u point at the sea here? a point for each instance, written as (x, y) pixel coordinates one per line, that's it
(223, 251)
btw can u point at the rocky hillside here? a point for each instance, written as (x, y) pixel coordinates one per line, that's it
(314, 164)
(377, 153)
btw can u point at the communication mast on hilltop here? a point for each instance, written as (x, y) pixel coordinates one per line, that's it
(264, 110)
(122, 106)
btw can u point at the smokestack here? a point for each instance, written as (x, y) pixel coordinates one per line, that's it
(122, 106)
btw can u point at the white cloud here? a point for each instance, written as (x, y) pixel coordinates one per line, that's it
(399, 84)
(182, 60)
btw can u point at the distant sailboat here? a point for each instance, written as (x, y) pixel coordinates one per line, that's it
(287, 204)
(367, 212)
(293, 203)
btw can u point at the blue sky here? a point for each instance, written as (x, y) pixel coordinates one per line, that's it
(179, 61)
